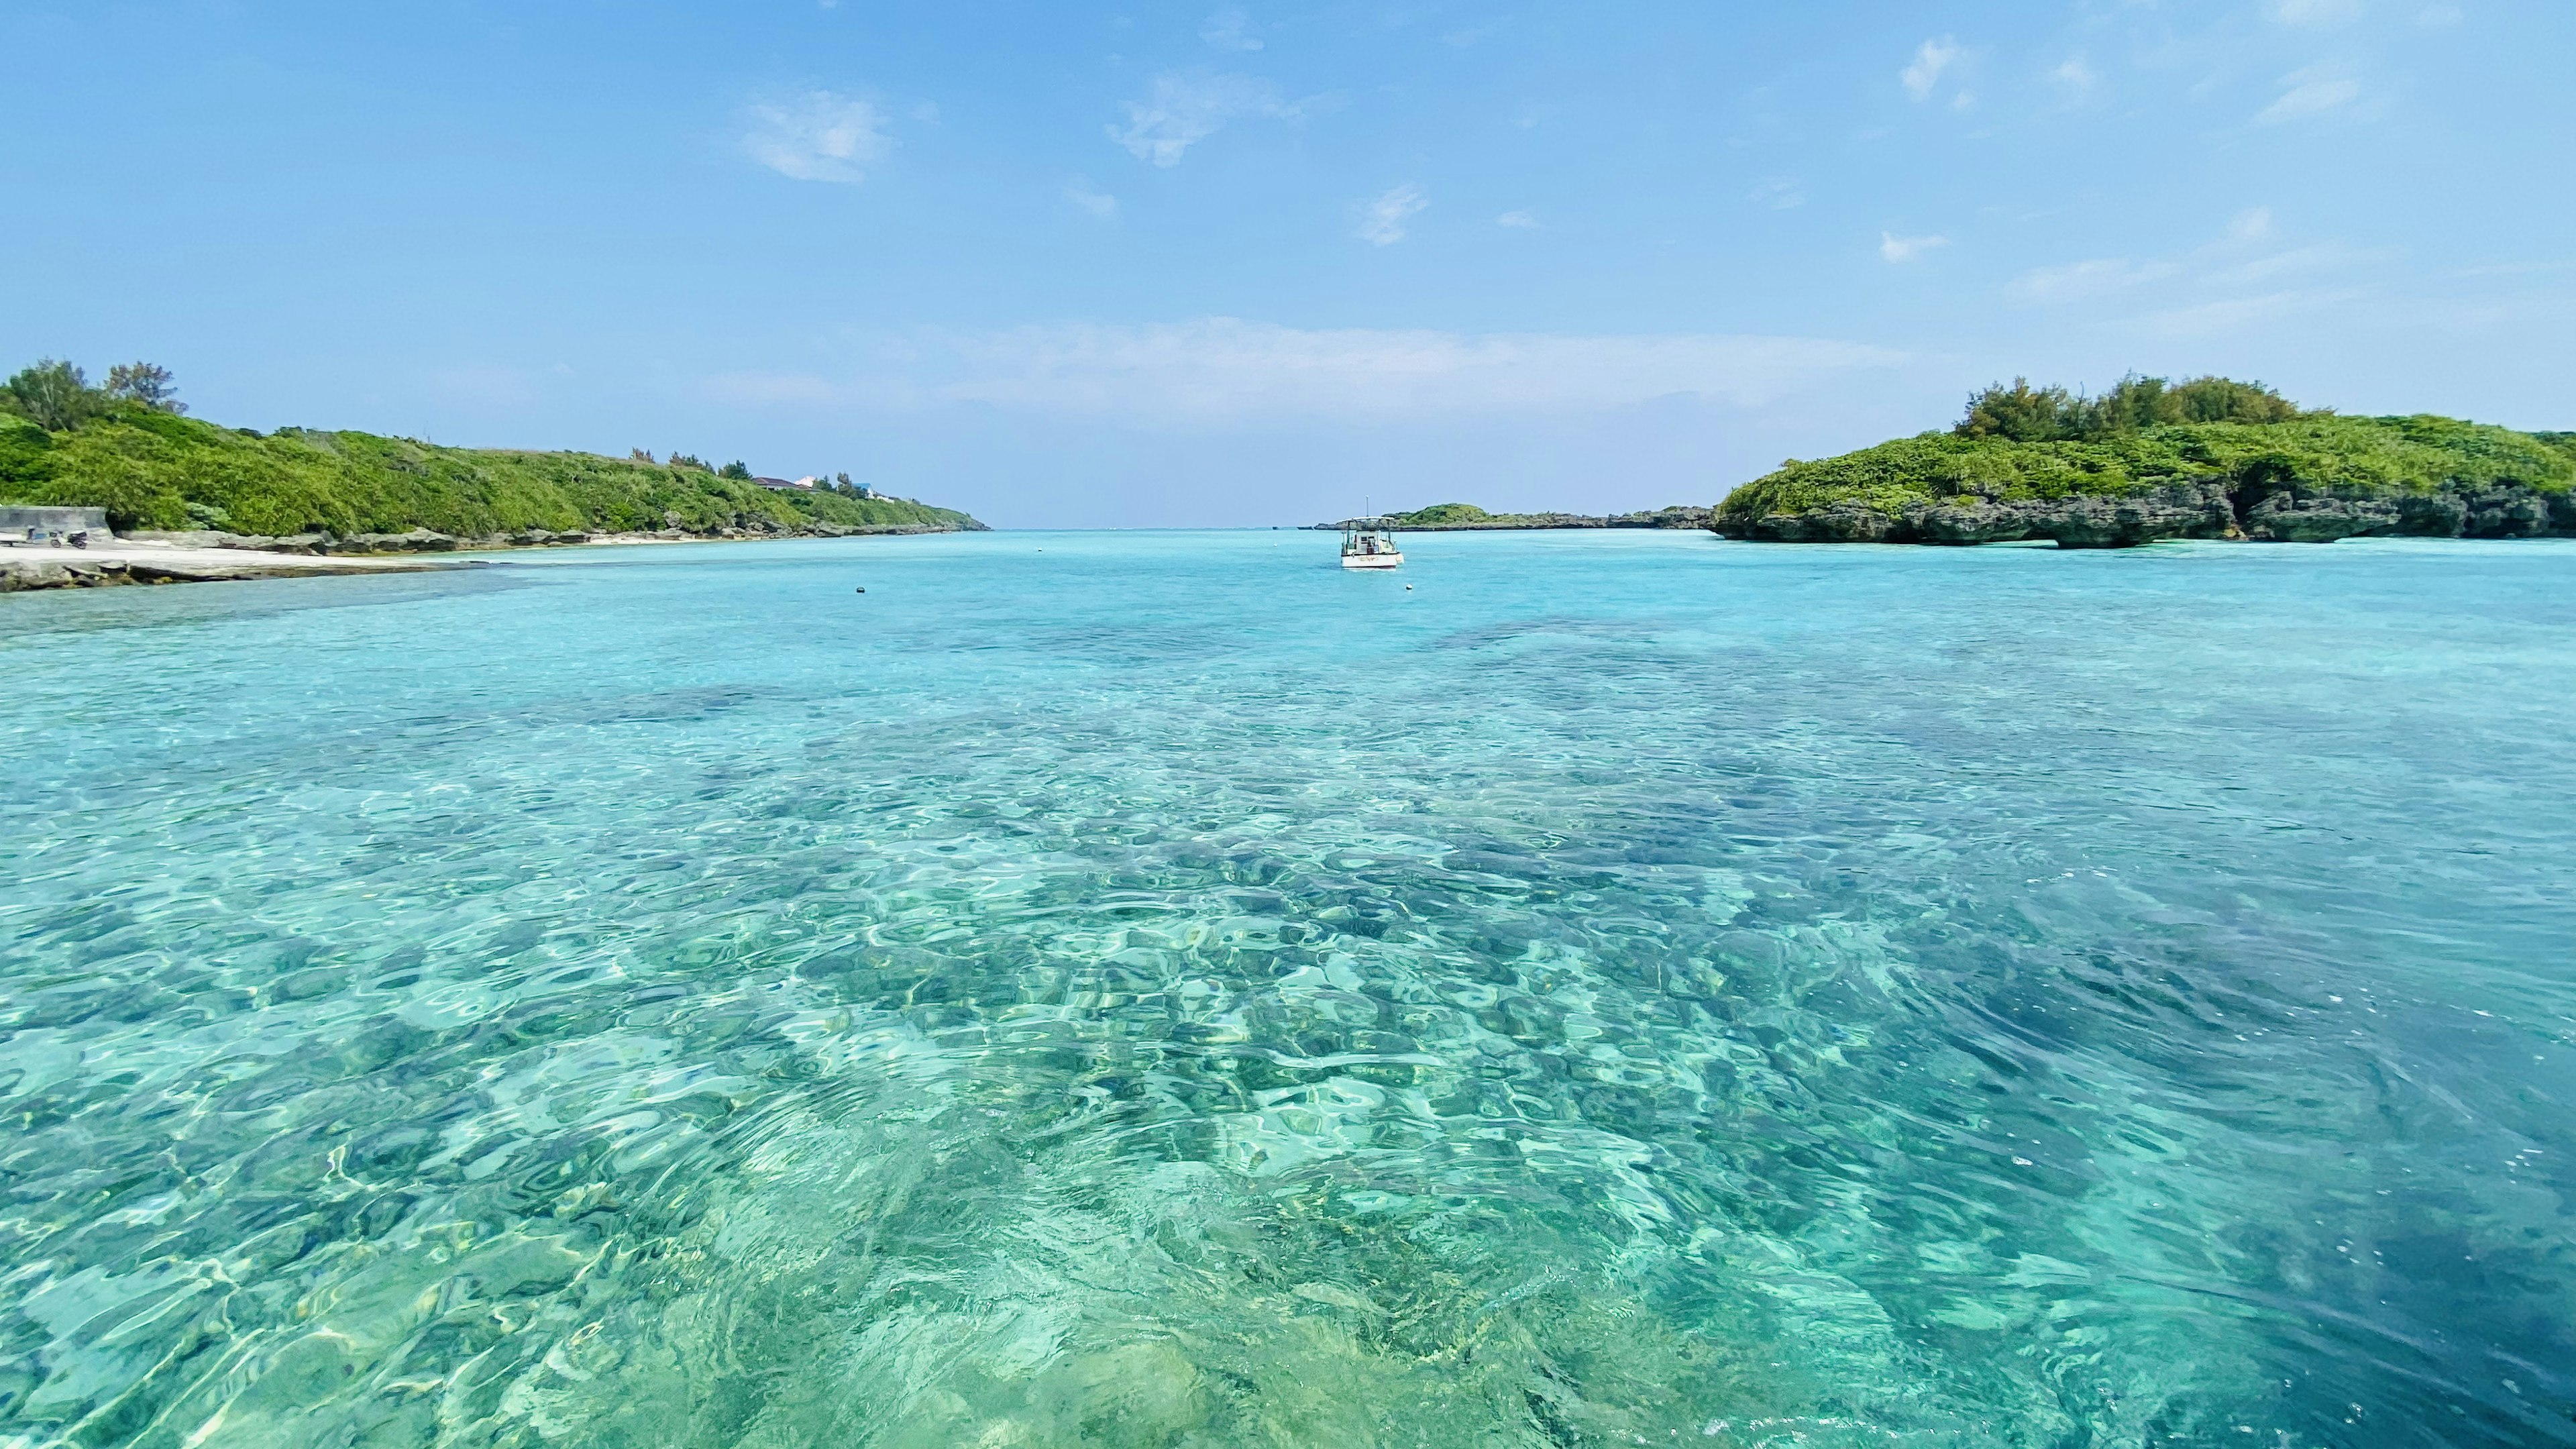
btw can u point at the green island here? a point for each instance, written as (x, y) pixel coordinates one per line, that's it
(1460, 517)
(2207, 457)
(129, 449)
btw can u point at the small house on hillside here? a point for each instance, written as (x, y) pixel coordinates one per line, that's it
(805, 482)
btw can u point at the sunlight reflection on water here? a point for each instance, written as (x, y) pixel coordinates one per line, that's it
(1166, 991)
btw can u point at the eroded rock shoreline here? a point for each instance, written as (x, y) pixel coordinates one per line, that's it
(2204, 511)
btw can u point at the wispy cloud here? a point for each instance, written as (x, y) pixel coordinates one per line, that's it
(2237, 279)
(1382, 220)
(2076, 281)
(1901, 249)
(2314, 12)
(1931, 58)
(1221, 371)
(817, 136)
(2296, 262)
(2309, 94)
(2231, 314)
(2075, 76)
(1187, 109)
(1779, 194)
(1517, 219)
(1090, 198)
(2249, 226)
(1230, 29)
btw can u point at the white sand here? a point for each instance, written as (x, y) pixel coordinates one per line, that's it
(143, 561)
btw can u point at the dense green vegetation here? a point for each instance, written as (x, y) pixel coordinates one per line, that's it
(1468, 516)
(1442, 515)
(133, 453)
(2027, 414)
(2238, 444)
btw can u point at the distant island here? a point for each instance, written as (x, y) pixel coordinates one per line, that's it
(2151, 459)
(128, 448)
(1445, 517)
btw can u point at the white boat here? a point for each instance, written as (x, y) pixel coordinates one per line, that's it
(1368, 543)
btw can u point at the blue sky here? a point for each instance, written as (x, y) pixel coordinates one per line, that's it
(1250, 263)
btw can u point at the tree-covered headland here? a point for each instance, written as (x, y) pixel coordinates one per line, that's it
(129, 447)
(2208, 457)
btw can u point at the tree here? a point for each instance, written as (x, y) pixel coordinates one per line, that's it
(735, 470)
(2225, 400)
(2027, 414)
(55, 395)
(640, 455)
(2020, 412)
(147, 383)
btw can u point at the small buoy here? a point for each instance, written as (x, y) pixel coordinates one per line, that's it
(863, 588)
(1408, 588)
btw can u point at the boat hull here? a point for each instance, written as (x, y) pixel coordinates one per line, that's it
(1372, 560)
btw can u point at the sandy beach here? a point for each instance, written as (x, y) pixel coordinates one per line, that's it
(136, 561)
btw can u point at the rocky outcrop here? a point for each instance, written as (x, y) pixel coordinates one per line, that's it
(1839, 523)
(2199, 510)
(2074, 522)
(2286, 518)
(2180, 511)
(2515, 513)
(418, 540)
(1963, 523)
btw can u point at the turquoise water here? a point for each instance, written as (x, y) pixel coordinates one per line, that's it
(1161, 990)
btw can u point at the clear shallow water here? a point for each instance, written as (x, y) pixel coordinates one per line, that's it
(1161, 990)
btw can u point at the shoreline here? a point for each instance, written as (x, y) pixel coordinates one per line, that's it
(26, 569)
(194, 558)
(1678, 517)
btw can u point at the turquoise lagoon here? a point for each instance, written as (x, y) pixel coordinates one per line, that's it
(1160, 990)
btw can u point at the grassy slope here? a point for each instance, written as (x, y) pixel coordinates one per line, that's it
(147, 468)
(2358, 457)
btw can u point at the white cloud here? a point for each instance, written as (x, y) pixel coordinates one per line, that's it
(2209, 319)
(2440, 17)
(1382, 220)
(1090, 198)
(2298, 261)
(2309, 94)
(2251, 225)
(1900, 249)
(2314, 12)
(1930, 59)
(1778, 194)
(1221, 370)
(2075, 76)
(1187, 109)
(1230, 29)
(1516, 219)
(818, 136)
(2078, 280)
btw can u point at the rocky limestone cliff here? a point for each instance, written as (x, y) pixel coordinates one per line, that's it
(2203, 510)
